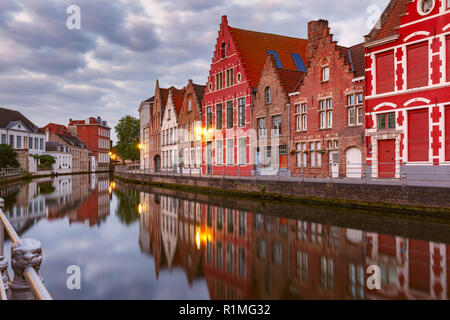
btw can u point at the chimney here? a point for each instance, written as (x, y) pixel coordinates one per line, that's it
(225, 20)
(316, 30)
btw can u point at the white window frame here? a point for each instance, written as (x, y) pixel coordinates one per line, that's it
(230, 154)
(242, 154)
(219, 152)
(325, 73)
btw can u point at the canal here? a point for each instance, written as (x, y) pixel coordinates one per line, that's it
(137, 242)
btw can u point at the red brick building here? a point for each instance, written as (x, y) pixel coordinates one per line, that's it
(407, 90)
(270, 117)
(236, 67)
(190, 129)
(327, 111)
(156, 113)
(95, 134)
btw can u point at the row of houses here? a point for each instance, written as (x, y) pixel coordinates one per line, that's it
(82, 146)
(246, 255)
(312, 107)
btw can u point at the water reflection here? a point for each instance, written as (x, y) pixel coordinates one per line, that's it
(163, 244)
(243, 255)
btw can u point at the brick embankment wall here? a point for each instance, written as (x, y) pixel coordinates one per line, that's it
(423, 200)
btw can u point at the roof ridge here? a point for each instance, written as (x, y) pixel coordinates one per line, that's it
(269, 33)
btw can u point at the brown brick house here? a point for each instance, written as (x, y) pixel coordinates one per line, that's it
(156, 112)
(270, 117)
(190, 129)
(327, 109)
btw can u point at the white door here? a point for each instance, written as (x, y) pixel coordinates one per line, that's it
(334, 164)
(354, 163)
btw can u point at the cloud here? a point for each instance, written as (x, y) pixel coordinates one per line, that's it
(111, 64)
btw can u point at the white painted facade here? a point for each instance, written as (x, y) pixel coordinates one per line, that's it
(144, 117)
(169, 137)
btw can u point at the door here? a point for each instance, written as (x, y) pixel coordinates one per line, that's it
(386, 158)
(258, 161)
(353, 158)
(209, 156)
(447, 133)
(418, 135)
(334, 164)
(157, 160)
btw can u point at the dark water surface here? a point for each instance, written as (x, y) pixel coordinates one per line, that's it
(136, 243)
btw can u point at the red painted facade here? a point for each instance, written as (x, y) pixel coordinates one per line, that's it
(238, 60)
(95, 133)
(407, 87)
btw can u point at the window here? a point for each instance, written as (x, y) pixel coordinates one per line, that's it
(326, 113)
(302, 265)
(230, 77)
(230, 221)
(315, 154)
(385, 72)
(448, 54)
(301, 117)
(326, 273)
(219, 79)
(242, 150)
(189, 105)
(36, 143)
(219, 254)
(386, 121)
(224, 50)
(230, 152)
(209, 120)
(19, 142)
(277, 253)
(417, 65)
(355, 109)
(241, 106)
(219, 117)
(298, 149)
(325, 74)
(219, 219)
(242, 262)
(239, 77)
(262, 249)
(4, 139)
(261, 127)
(230, 258)
(424, 7)
(267, 95)
(276, 126)
(230, 121)
(219, 152)
(242, 223)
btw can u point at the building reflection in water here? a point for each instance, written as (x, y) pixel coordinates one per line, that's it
(79, 198)
(245, 255)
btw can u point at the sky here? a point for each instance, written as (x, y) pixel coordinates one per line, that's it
(52, 73)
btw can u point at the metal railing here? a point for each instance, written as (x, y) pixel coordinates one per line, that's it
(400, 173)
(9, 172)
(26, 258)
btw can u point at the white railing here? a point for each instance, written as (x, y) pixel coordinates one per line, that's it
(9, 172)
(26, 258)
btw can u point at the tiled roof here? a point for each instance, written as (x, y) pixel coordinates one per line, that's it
(390, 20)
(7, 116)
(199, 91)
(164, 95)
(253, 47)
(178, 98)
(150, 100)
(289, 79)
(357, 54)
(72, 140)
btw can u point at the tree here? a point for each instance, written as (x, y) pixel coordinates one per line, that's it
(128, 133)
(8, 157)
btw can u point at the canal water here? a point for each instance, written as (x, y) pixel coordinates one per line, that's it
(136, 242)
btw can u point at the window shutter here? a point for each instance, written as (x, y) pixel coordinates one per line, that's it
(417, 65)
(418, 141)
(385, 72)
(448, 58)
(447, 133)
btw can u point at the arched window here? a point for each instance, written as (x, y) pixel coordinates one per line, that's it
(267, 95)
(224, 50)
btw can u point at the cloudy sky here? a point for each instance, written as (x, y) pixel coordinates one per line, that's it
(51, 73)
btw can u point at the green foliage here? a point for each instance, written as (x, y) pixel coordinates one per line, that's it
(46, 188)
(8, 157)
(128, 132)
(27, 176)
(127, 207)
(45, 161)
